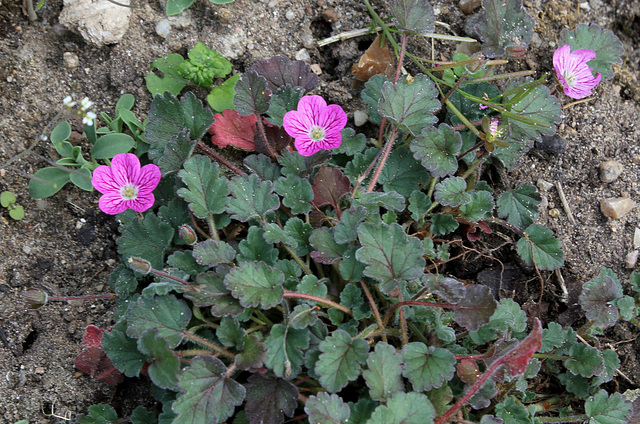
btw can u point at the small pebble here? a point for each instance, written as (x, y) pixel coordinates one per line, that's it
(26, 249)
(610, 171)
(316, 69)
(636, 238)
(360, 118)
(617, 207)
(330, 15)
(163, 28)
(307, 40)
(554, 144)
(289, 15)
(70, 60)
(585, 6)
(544, 185)
(631, 259)
(469, 6)
(303, 54)
(554, 213)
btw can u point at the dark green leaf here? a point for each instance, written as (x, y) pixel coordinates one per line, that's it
(352, 298)
(209, 395)
(437, 149)
(252, 96)
(148, 240)
(519, 206)
(296, 193)
(206, 190)
(184, 261)
(213, 253)
(176, 152)
(230, 333)
(166, 313)
(419, 204)
(442, 224)
(410, 106)
(285, 350)
(539, 105)
(99, 414)
(164, 364)
(505, 26)
(373, 201)
(141, 415)
(361, 411)
(371, 96)
(253, 355)
(480, 206)
(584, 360)
(123, 350)
(390, 255)
(327, 251)
(604, 409)
(352, 143)
(552, 337)
(384, 373)
(513, 412)
(350, 268)
(611, 365)
(540, 247)
(340, 360)
(402, 173)
(56, 179)
(452, 192)
(270, 399)
(255, 284)
(251, 198)
(263, 167)
(413, 16)
(303, 316)
(326, 409)
(280, 71)
(283, 101)
(255, 248)
(405, 408)
(427, 367)
(346, 230)
(597, 298)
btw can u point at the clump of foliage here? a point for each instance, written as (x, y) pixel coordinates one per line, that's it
(309, 286)
(8, 200)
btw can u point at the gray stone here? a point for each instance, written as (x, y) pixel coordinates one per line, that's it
(99, 22)
(70, 60)
(360, 118)
(631, 259)
(303, 54)
(610, 171)
(616, 207)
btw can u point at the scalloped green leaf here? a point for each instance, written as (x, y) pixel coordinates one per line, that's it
(480, 206)
(164, 365)
(402, 173)
(427, 367)
(263, 167)
(255, 284)
(209, 395)
(327, 251)
(539, 105)
(251, 198)
(340, 360)
(252, 96)
(99, 414)
(371, 95)
(389, 254)
(283, 101)
(169, 315)
(374, 200)
(597, 300)
(540, 247)
(324, 408)
(254, 248)
(506, 27)
(213, 253)
(608, 409)
(519, 206)
(410, 106)
(352, 143)
(604, 42)
(452, 191)
(413, 16)
(405, 408)
(296, 193)
(206, 190)
(442, 224)
(149, 240)
(269, 399)
(253, 355)
(346, 230)
(123, 350)
(384, 372)
(437, 149)
(285, 350)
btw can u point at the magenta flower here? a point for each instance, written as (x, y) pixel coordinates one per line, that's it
(574, 75)
(315, 126)
(125, 185)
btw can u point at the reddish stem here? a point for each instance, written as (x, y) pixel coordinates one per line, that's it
(383, 160)
(89, 297)
(219, 158)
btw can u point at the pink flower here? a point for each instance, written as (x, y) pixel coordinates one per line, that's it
(315, 125)
(125, 185)
(574, 75)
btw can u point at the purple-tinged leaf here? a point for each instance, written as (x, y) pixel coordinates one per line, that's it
(505, 28)
(329, 186)
(252, 96)
(164, 364)
(476, 308)
(427, 367)
(449, 289)
(596, 300)
(326, 409)
(437, 149)
(327, 251)
(94, 361)
(209, 395)
(253, 355)
(467, 370)
(413, 15)
(280, 71)
(269, 399)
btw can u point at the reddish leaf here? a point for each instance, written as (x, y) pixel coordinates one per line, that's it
(277, 136)
(476, 308)
(329, 186)
(516, 360)
(231, 129)
(468, 371)
(92, 337)
(94, 361)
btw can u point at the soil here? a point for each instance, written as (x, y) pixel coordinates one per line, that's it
(66, 246)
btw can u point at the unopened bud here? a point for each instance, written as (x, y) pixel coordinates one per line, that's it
(188, 235)
(139, 265)
(36, 298)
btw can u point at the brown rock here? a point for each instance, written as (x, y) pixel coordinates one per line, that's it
(616, 207)
(610, 171)
(330, 15)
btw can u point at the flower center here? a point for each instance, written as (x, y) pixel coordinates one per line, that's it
(129, 192)
(317, 133)
(569, 78)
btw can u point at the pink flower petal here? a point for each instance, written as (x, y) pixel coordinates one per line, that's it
(584, 55)
(112, 204)
(306, 147)
(102, 180)
(312, 106)
(125, 168)
(333, 119)
(297, 124)
(148, 179)
(141, 203)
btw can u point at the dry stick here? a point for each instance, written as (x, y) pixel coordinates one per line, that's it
(565, 204)
(577, 102)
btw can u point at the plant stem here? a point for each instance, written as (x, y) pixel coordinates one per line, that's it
(319, 300)
(374, 307)
(89, 297)
(389, 313)
(212, 228)
(383, 160)
(206, 343)
(297, 258)
(193, 352)
(569, 419)
(219, 158)
(548, 356)
(263, 133)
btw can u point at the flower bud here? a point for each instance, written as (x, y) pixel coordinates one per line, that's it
(139, 265)
(188, 235)
(36, 298)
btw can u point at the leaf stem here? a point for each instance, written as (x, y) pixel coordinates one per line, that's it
(297, 258)
(383, 160)
(212, 228)
(569, 419)
(88, 297)
(263, 133)
(374, 307)
(206, 343)
(389, 313)
(548, 356)
(208, 150)
(318, 299)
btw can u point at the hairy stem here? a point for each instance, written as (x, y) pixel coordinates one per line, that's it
(374, 307)
(219, 158)
(322, 300)
(206, 343)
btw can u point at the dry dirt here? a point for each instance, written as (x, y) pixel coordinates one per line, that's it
(66, 246)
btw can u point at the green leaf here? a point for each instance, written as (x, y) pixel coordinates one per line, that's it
(597, 298)
(253, 355)
(410, 106)
(263, 167)
(221, 96)
(230, 333)
(164, 366)
(405, 408)
(604, 42)
(352, 143)
(371, 96)
(519, 206)
(540, 247)
(584, 360)
(7, 198)
(213, 253)
(141, 415)
(346, 230)
(283, 101)
(59, 137)
(552, 337)
(176, 152)
(252, 96)
(285, 349)
(123, 350)
(373, 201)
(383, 376)
(437, 149)
(413, 16)
(212, 292)
(166, 313)
(170, 81)
(326, 409)
(175, 7)
(442, 224)
(254, 248)
(340, 360)
(99, 414)
(469, 108)
(351, 297)
(203, 65)
(604, 409)
(296, 193)
(148, 240)
(480, 206)
(209, 395)
(270, 399)
(611, 365)
(350, 268)
(16, 212)
(82, 181)
(327, 251)
(427, 367)
(255, 284)
(251, 198)
(110, 145)
(303, 316)
(505, 27)
(539, 105)
(402, 173)
(419, 204)
(513, 412)
(311, 285)
(206, 190)
(390, 255)
(361, 411)
(56, 179)
(452, 192)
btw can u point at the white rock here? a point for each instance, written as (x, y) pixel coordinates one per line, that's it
(359, 118)
(71, 60)
(290, 15)
(636, 238)
(163, 28)
(303, 54)
(616, 207)
(610, 171)
(631, 259)
(99, 22)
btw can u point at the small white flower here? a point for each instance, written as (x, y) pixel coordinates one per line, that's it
(85, 104)
(68, 102)
(89, 118)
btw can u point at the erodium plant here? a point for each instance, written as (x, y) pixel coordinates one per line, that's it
(316, 280)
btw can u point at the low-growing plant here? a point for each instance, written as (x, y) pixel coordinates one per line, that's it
(8, 200)
(306, 282)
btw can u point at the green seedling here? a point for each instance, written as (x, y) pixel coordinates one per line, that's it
(8, 200)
